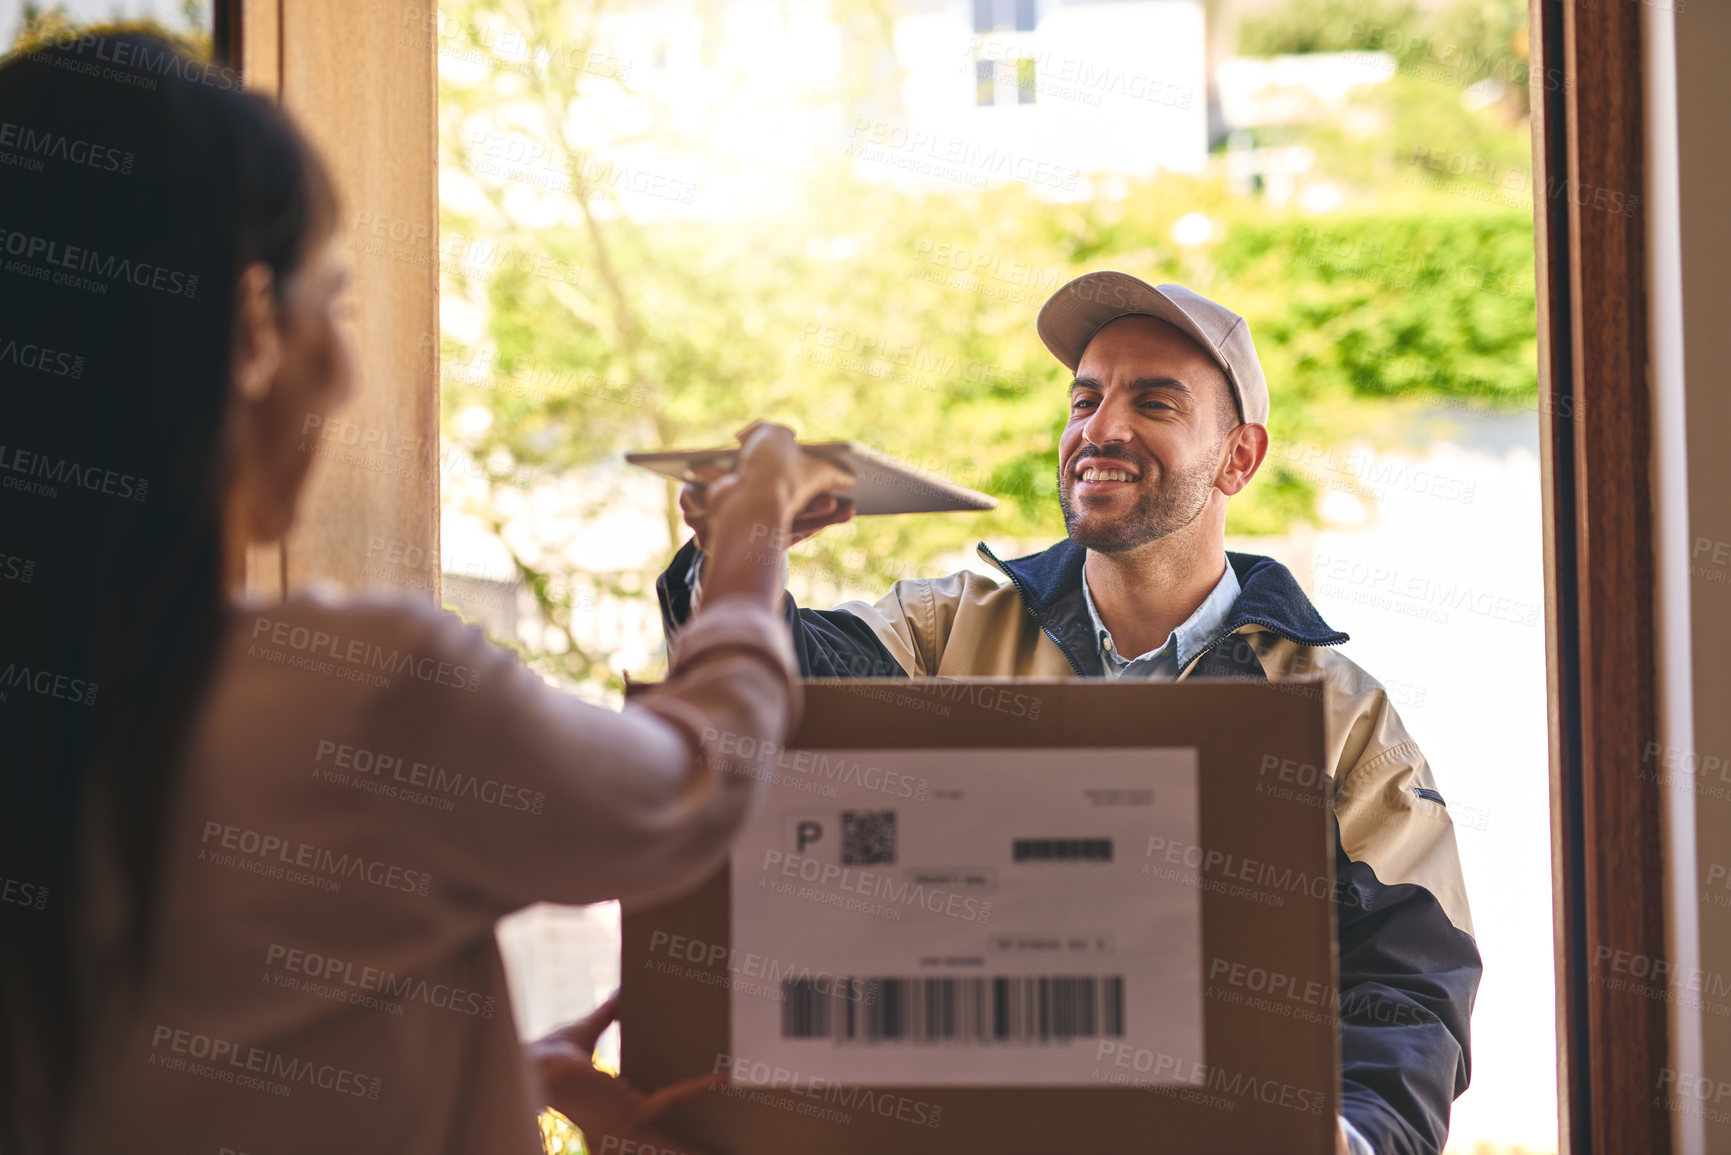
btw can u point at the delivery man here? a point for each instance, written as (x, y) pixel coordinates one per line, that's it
(1167, 421)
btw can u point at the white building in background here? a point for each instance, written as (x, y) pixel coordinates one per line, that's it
(1117, 87)
(1048, 92)
(1278, 91)
(744, 98)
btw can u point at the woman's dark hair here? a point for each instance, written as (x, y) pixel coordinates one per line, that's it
(135, 185)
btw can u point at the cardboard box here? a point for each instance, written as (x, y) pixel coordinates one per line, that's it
(1264, 871)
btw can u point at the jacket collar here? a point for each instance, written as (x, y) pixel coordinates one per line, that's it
(1050, 583)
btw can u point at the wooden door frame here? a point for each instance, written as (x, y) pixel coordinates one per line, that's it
(361, 79)
(1608, 865)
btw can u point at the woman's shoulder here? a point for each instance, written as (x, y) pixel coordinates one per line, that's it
(362, 635)
(327, 669)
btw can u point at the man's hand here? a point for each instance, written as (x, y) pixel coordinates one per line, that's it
(600, 1104)
(1349, 1142)
(823, 510)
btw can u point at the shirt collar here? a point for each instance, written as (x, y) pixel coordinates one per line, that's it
(1185, 642)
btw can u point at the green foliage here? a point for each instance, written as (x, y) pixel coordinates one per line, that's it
(1320, 25)
(1471, 34)
(1455, 46)
(39, 25)
(941, 366)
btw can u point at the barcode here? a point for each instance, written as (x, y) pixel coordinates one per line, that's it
(1061, 850)
(868, 837)
(1008, 1009)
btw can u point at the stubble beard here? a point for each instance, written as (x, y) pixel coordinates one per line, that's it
(1161, 509)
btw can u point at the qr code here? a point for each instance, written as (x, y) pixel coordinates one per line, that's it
(868, 837)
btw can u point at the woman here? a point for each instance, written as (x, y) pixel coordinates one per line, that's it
(253, 854)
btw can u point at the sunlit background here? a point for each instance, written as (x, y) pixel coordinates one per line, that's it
(661, 220)
(846, 215)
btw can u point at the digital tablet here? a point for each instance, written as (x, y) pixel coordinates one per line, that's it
(881, 484)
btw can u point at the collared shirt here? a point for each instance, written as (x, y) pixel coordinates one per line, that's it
(1181, 645)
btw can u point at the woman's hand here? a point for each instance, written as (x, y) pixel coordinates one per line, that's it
(776, 490)
(602, 1105)
(770, 455)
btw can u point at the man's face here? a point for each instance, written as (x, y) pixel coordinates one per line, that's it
(1149, 413)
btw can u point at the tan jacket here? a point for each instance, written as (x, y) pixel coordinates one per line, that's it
(967, 625)
(1409, 967)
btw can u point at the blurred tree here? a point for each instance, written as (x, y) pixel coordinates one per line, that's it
(1322, 25)
(42, 24)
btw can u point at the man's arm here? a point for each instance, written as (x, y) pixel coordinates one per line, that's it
(828, 643)
(1409, 968)
(1408, 978)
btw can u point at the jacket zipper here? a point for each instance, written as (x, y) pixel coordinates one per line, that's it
(1022, 592)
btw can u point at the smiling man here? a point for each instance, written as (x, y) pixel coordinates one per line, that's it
(1167, 421)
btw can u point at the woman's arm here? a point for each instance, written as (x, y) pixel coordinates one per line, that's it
(588, 804)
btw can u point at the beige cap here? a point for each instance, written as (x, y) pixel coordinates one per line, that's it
(1073, 314)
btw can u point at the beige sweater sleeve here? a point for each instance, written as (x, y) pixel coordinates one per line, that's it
(563, 801)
